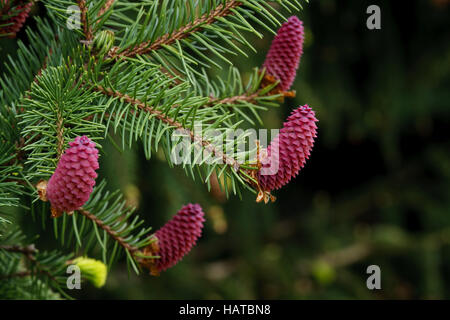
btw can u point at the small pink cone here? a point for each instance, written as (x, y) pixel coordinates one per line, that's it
(288, 151)
(74, 178)
(175, 239)
(284, 55)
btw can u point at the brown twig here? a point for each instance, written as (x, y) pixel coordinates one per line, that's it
(21, 274)
(39, 270)
(59, 135)
(27, 251)
(86, 28)
(221, 11)
(175, 78)
(231, 100)
(106, 7)
(27, 273)
(266, 81)
(108, 230)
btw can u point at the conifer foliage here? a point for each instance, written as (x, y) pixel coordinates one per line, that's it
(136, 72)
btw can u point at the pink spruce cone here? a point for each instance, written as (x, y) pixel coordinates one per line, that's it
(284, 54)
(288, 151)
(71, 184)
(177, 237)
(21, 14)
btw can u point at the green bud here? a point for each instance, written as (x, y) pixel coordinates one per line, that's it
(104, 41)
(92, 270)
(323, 272)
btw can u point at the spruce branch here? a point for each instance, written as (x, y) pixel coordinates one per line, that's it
(171, 122)
(108, 229)
(249, 96)
(59, 134)
(59, 89)
(107, 212)
(47, 264)
(230, 94)
(234, 99)
(221, 10)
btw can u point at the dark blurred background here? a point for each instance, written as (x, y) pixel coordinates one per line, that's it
(376, 189)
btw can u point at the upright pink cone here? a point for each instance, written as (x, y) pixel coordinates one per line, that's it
(176, 238)
(288, 151)
(284, 54)
(74, 178)
(16, 19)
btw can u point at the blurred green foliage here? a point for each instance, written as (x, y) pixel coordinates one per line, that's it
(376, 189)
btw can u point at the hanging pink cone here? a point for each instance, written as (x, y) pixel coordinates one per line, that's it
(176, 238)
(20, 14)
(288, 151)
(74, 178)
(284, 54)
